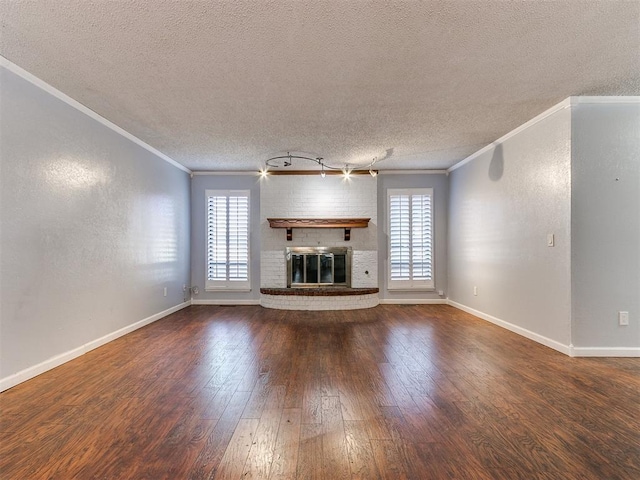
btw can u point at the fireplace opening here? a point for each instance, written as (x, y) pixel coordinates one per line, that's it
(318, 266)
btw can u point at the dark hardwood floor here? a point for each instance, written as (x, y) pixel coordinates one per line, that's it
(419, 392)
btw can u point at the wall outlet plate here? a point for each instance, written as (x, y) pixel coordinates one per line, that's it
(623, 318)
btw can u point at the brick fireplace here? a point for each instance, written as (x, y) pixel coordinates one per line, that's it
(311, 197)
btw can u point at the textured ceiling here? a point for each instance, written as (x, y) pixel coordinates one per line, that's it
(226, 85)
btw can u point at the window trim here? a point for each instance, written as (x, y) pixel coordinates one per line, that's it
(410, 285)
(227, 285)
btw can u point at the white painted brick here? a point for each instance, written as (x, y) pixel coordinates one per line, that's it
(307, 196)
(310, 196)
(273, 269)
(364, 261)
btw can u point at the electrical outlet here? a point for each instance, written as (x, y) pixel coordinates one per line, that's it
(475, 291)
(441, 293)
(623, 318)
(165, 291)
(184, 287)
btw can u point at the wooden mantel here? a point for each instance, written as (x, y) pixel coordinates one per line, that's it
(346, 223)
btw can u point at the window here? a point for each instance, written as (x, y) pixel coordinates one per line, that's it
(410, 239)
(227, 240)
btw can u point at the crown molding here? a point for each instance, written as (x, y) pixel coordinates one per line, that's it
(204, 173)
(29, 77)
(566, 103)
(604, 100)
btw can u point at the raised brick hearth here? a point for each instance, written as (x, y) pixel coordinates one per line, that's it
(330, 298)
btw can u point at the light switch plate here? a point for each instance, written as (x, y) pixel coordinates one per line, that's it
(551, 241)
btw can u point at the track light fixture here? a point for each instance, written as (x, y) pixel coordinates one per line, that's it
(283, 161)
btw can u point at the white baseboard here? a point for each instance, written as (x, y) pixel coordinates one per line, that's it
(566, 349)
(605, 352)
(225, 301)
(413, 301)
(28, 373)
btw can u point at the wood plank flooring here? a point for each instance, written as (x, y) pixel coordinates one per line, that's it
(394, 392)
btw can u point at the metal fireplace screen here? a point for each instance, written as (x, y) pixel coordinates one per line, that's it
(318, 266)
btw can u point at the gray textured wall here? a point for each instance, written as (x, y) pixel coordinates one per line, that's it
(199, 184)
(605, 224)
(502, 206)
(93, 228)
(440, 185)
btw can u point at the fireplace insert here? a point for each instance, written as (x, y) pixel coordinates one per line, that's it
(318, 266)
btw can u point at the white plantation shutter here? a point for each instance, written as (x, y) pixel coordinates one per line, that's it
(421, 237)
(216, 238)
(410, 238)
(227, 240)
(238, 238)
(399, 234)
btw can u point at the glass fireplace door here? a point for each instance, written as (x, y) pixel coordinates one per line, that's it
(311, 269)
(326, 268)
(317, 267)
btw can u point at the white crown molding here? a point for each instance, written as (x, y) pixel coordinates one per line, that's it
(566, 103)
(605, 100)
(254, 173)
(12, 67)
(35, 370)
(566, 349)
